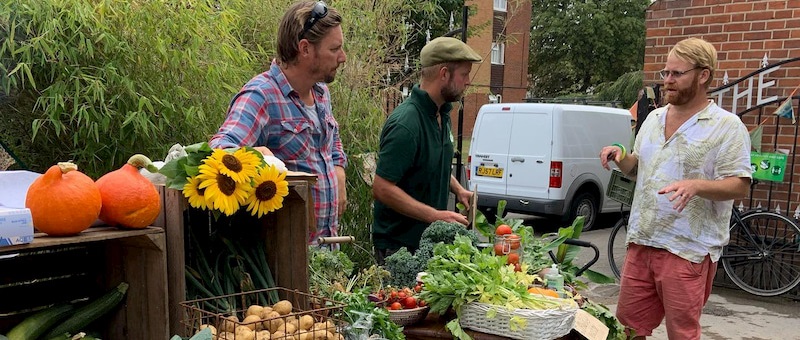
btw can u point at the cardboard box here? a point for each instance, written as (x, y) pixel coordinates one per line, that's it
(16, 226)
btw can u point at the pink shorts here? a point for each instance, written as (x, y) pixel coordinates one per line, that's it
(657, 284)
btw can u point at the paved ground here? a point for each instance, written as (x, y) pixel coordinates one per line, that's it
(729, 314)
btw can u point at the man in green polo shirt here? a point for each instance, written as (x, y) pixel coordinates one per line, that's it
(413, 178)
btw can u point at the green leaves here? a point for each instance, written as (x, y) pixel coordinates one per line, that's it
(178, 170)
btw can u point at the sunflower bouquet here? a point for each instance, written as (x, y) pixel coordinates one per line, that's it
(226, 180)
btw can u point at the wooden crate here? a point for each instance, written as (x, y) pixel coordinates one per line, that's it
(284, 231)
(61, 269)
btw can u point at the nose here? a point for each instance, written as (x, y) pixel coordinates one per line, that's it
(343, 58)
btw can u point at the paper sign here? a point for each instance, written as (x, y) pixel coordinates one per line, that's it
(589, 326)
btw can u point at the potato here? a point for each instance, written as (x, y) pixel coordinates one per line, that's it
(327, 325)
(254, 310)
(279, 335)
(228, 324)
(244, 333)
(253, 322)
(330, 336)
(263, 335)
(273, 321)
(225, 336)
(264, 312)
(304, 336)
(306, 322)
(213, 329)
(283, 307)
(288, 328)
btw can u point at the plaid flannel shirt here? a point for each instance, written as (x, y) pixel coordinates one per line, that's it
(267, 111)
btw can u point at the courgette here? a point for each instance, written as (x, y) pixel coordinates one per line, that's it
(90, 312)
(38, 323)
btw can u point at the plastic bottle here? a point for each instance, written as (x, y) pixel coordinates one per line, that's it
(555, 280)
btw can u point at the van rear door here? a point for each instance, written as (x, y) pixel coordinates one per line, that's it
(488, 149)
(530, 152)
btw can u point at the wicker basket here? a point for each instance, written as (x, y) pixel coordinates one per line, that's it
(407, 317)
(540, 323)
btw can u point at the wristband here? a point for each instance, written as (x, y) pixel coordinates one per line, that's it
(621, 147)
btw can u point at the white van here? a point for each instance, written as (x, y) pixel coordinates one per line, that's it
(543, 158)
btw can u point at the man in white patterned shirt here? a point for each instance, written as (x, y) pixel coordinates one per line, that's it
(691, 159)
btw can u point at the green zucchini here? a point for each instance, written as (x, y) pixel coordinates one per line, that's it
(90, 312)
(38, 323)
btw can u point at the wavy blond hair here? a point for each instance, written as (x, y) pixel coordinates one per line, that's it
(698, 52)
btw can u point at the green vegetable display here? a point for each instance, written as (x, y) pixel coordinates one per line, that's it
(460, 273)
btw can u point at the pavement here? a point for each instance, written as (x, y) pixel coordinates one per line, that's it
(730, 314)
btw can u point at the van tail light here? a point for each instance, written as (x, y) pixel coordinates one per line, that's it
(468, 165)
(555, 174)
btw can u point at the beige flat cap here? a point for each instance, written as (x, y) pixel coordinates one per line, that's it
(447, 49)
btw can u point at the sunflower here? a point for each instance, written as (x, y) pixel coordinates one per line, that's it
(221, 191)
(270, 189)
(196, 196)
(239, 166)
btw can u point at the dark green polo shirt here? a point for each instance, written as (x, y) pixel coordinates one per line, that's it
(416, 154)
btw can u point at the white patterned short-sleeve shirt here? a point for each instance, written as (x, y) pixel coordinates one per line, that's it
(713, 144)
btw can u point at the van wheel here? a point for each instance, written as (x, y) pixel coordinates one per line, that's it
(585, 204)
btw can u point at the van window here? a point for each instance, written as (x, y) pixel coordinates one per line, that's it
(494, 133)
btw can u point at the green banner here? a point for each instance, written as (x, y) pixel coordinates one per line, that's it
(768, 166)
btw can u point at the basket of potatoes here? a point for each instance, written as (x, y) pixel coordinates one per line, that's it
(286, 319)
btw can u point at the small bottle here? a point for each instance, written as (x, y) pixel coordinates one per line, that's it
(555, 280)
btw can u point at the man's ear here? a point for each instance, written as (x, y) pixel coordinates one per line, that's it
(444, 73)
(303, 47)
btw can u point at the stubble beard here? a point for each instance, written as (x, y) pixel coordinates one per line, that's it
(450, 93)
(684, 96)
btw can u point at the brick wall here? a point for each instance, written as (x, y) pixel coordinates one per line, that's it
(513, 73)
(743, 31)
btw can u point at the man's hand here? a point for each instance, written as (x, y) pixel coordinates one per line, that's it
(450, 216)
(464, 197)
(263, 150)
(610, 153)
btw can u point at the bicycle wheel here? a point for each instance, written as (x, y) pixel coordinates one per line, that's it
(617, 247)
(763, 254)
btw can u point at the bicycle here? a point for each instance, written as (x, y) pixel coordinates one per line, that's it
(762, 256)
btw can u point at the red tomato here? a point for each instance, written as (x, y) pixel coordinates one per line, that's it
(503, 229)
(513, 240)
(393, 295)
(517, 267)
(513, 258)
(396, 306)
(422, 303)
(498, 249)
(418, 288)
(410, 302)
(402, 295)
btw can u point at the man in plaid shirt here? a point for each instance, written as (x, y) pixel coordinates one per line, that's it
(286, 111)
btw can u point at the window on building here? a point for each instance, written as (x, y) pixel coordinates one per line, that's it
(498, 53)
(500, 5)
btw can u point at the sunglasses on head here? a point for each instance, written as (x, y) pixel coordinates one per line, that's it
(319, 11)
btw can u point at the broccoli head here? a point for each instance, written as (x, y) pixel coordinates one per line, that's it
(404, 268)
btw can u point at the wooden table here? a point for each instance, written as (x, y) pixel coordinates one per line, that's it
(433, 327)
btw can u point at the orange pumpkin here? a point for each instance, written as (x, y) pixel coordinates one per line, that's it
(63, 201)
(129, 199)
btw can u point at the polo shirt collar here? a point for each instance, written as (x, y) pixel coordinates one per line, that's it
(423, 99)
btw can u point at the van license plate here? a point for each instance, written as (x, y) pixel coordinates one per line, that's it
(490, 172)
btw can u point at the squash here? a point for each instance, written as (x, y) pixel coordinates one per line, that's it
(40, 322)
(63, 201)
(129, 199)
(89, 312)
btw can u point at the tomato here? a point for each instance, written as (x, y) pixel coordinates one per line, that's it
(402, 295)
(517, 267)
(422, 303)
(396, 306)
(410, 302)
(418, 288)
(513, 258)
(393, 294)
(498, 249)
(513, 241)
(503, 229)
